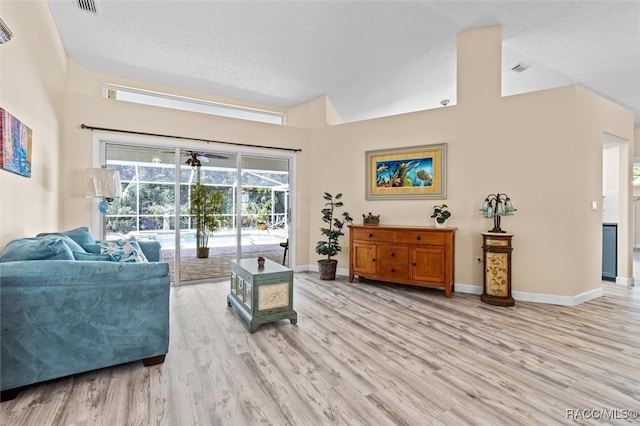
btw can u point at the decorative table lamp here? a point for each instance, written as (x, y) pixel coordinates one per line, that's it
(497, 250)
(104, 183)
(496, 205)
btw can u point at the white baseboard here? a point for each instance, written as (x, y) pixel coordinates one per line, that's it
(627, 282)
(523, 296)
(314, 268)
(468, 289)
(549, 299)
(553, 299)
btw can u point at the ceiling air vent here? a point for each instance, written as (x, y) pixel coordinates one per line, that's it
(520, 67)
(87, 6)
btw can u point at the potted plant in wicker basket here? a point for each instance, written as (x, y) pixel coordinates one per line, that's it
(371, 219)
(206, 208)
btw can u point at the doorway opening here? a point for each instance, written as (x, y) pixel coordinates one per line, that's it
(617, 220)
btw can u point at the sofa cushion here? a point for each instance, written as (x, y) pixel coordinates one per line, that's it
(36, 249)
(92, 248)
(123, 251)
(33, 275)
(80, 235)
(82, 255)
(151, 249)
(67, 240)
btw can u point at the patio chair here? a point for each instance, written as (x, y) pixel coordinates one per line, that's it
(285, 245)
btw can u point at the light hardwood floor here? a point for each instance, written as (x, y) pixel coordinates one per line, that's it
(364, 354)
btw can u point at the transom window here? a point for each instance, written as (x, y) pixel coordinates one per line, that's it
(194, 105)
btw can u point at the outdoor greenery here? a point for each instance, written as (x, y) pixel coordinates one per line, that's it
(258, 211)
(148, 199)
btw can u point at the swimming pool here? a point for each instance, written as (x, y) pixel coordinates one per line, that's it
(250, 237)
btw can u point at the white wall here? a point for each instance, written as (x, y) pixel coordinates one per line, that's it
(610, 187)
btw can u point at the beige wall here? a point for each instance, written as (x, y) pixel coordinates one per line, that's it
(636, 190)
(541, 148)
(595, 117)
(85, 104)
(544, 149)
(33, 68)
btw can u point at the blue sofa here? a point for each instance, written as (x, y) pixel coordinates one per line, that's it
(68, 307)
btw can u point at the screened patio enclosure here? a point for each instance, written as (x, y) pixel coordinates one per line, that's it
(156, 205)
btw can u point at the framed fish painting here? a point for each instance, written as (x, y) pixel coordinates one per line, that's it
(417, 172)
(15, 145)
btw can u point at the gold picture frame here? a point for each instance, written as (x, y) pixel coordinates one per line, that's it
(417, 172)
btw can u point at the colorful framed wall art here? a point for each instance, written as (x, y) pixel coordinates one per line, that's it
(417, 172)
(15, 145)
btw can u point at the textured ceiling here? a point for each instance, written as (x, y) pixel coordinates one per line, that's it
(371, 58)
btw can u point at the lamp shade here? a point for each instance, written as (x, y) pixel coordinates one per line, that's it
(103, 183)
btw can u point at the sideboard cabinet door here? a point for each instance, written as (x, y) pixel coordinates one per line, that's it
(429, 264)
(364, 259)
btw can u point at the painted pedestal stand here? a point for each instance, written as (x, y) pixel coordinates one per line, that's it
(497, 269)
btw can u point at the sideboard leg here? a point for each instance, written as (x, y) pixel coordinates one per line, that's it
(447, 290)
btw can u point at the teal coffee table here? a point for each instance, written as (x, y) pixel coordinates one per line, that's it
(261, 294)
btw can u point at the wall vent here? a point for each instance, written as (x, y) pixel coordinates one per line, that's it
(520, 67)
(5, 33)
(87, 6)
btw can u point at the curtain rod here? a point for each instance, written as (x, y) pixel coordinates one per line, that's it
(84, 126)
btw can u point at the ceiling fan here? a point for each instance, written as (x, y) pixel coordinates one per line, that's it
(197, 158)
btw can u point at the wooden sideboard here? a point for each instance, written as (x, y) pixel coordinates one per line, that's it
(415, 255)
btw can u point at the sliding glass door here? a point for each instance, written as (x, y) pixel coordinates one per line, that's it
(146, 210)
(193, 203)
(208, 237)
(264, 208)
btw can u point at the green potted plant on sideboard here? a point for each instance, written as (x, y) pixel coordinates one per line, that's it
(329, 246)
(370, 219)
(206, 207)
(441, 213)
